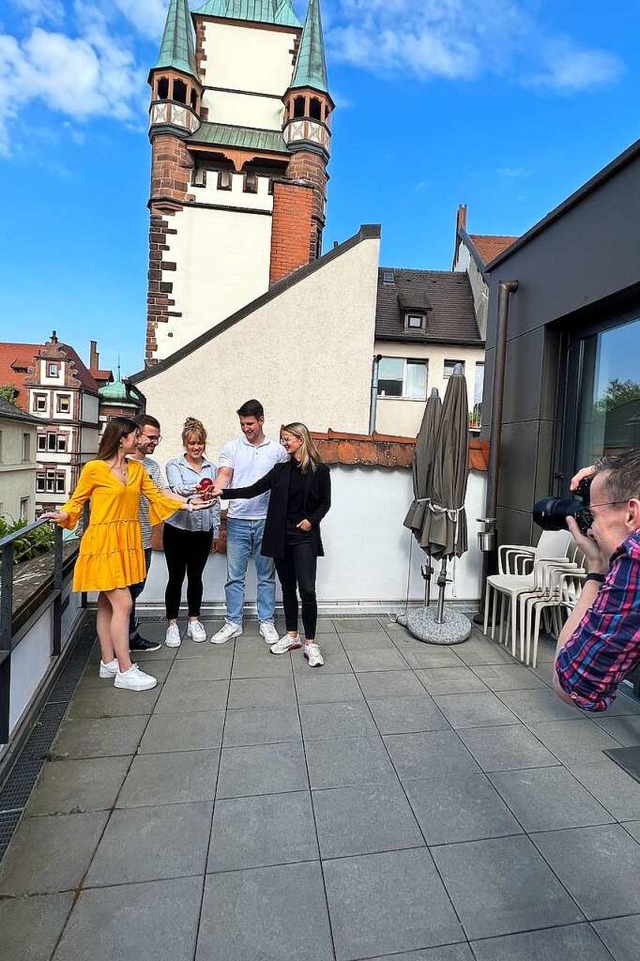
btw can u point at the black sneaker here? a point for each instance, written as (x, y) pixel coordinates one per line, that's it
(138, 643)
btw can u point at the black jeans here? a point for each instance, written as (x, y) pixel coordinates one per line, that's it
(136, 590)
(185, 552)
(298, 569)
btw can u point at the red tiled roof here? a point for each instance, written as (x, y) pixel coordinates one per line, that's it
(490, 246)
(102, 377)
(17, 355)
(383, 450)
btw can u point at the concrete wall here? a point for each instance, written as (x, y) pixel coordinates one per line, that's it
(569, 274)
(294, 353)
(17, 477)
(369, 553)
(400, 416)
(466, 263)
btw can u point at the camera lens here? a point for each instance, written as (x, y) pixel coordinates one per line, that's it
(551, 512)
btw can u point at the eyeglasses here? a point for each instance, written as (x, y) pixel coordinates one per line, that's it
(589, 517)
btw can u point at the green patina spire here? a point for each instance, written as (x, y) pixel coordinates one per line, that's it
(285, 13)
(177, 49)
(311, 65)
(258, 11)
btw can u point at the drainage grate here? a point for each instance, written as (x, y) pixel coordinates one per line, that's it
(8, 824)
(19, 784)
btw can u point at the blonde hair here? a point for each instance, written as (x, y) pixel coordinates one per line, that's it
(194, 428)
(309, 453)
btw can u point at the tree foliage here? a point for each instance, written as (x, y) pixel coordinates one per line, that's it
(10, 393)
(618, 392)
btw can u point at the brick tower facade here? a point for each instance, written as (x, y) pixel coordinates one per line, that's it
(239, 130)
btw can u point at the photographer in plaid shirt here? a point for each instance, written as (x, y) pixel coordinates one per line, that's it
(600, 643)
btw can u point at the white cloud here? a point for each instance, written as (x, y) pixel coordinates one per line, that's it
(464, 40)
(147, 16)
(41, 11)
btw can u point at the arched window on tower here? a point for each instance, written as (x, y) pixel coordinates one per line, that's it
(163, 88)
(179, 91)
(298, 107)
(194, 100)
(315, 109)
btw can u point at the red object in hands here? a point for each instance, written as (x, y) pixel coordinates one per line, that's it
(204, 484)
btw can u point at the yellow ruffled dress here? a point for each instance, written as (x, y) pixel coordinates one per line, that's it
(111, 553)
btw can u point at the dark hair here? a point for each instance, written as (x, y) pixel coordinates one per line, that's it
(146, 420)
(251, 408)
(623, 482)
(116, 429)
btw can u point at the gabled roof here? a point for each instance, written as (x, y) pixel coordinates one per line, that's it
(9, 411)
(250, 138)
(13, 359)
(256, 11)
(490, 246)
(445, 296)
(311, 63)
(177, 49)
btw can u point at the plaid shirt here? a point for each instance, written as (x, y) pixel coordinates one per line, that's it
(606, 644)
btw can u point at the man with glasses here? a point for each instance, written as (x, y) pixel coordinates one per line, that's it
(146, 443)
(600, 643)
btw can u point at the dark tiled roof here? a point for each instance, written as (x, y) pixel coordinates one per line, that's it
(248, 138)
(451, 318)
(9, 411)
(490, 246)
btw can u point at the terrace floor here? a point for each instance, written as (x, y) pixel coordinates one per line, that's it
(405, 803)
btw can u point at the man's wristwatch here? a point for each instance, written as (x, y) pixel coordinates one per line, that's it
(594, 576)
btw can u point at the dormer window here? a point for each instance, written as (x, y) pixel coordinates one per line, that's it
(414, 321)
(388, 277)
(53, 370)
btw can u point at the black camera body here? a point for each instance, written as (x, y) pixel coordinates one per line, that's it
(551, 513)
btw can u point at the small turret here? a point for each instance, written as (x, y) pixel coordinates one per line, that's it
(176, 90)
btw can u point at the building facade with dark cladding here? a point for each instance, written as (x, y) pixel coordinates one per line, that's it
(572, 381)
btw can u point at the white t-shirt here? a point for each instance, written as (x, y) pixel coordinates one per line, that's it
(249, 464)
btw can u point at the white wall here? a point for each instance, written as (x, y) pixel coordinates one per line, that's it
(243, 110)
(249, 58)
(367, 548)
(306, 355)
(17, 477)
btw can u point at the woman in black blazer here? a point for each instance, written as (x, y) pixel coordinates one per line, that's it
(300, 497)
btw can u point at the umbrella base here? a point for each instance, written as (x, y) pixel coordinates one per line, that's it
(422, 624)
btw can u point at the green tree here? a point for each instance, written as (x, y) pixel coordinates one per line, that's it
(618, 392)
(10, 393)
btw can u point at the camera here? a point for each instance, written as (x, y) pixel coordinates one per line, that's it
(551, 512)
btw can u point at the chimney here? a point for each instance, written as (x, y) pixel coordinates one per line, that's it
(461, 217)
(94, 356)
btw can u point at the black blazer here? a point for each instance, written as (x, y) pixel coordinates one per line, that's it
(317, 501)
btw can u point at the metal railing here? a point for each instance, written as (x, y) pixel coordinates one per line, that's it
(7, 643)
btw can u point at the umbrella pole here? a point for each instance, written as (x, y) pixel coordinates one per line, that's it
(442, 584)
(427, 573)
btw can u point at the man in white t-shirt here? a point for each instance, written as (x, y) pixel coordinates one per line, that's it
(243, 461)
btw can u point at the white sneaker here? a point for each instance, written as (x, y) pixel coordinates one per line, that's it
(286, 643)
(226, 632)
(313, 655)
(134, 680)
(172, 637)
(268, 632)
(110, 669)
(196, 631)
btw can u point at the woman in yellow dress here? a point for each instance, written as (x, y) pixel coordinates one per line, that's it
(111, 556)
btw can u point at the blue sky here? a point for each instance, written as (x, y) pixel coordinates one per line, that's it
(506, 105)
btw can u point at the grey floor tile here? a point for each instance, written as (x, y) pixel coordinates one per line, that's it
(50, 854)
(377, 904)
(633, 827)
(71, 787)
(475, 653)
(339, 719)
(548, 799)
(538, 706)
(572, 943)
(418, 655)
(376, 640)
(170, 779)
(335, 659)
(252, 832)
(112, 702)
(343, 762)
(506, 748)
(190, 669)
(611, 890)
(199, 695)
(256, 692)
(325, 626)
(507, 677)
(263, 664)
(262, 769)
(157, 666)
(377, 659)
(325, 688)
(626, 730)
(362, 820)
(474, 710)
(250, 915)
(403, 715)
(450, 680)
(31, 926)
(430, 754)
(579, 741)
(161, 923)
(357, 625)
(147, 844)
(261, 725)
(207, 651)
(453, 809)
(167, 733)
(621, 936)
(623, 705)
(501, 886)
(93, 737)
(448, 952)
(390, 684)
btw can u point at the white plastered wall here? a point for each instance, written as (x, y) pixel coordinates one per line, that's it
(306, 354)
(17, 477)
(400, 416)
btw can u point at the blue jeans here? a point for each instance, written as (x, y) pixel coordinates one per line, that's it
(244, 539)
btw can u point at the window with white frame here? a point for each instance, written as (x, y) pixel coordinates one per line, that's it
(414, 321)
(63, 403)
(62, 443)
(42, 441)
(40, 402)
(40, 482)
(26, 447)
(402, 377)
(24, 508)
(53, 370)
(450, 366)
(51, 442)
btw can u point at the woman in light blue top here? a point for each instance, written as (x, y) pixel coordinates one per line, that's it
(187, 537)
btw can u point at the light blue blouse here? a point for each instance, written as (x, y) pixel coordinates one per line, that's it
(183, 479)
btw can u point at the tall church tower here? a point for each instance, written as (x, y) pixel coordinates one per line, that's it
(240, 142)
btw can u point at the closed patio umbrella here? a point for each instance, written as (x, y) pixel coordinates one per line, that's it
(422, 467)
